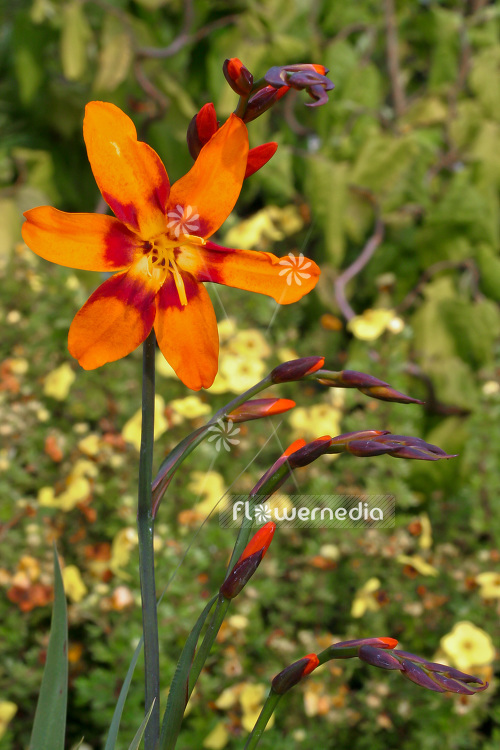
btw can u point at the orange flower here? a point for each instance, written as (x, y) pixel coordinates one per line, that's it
(159, 245)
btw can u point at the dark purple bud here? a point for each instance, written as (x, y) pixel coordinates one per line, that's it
(310, 452)
(419, 677)
(366, 448)
(296, 369)
(379, 658)
(293, 674)
(240, 575)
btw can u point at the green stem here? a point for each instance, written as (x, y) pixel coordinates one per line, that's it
(268, 708)
(208, 641)
(145, 528)
(168, 467)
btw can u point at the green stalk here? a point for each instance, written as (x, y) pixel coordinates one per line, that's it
(268, 708)
(145, 528)
(206, 645)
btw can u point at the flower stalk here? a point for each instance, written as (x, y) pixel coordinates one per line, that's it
(145, 529)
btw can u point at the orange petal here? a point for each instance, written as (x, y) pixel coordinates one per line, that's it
(259, 156)
(285, 279)
(113, 321)
(212, 186)
(130, 175)
(91, 242)
(187, 335)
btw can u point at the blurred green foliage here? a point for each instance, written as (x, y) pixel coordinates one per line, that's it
(410, 135)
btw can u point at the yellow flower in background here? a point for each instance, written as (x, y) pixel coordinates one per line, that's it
(211, 487)
(90, 445)
(467, 646)
(320, 419)
(425, 539)
(489, 583)
(132, 429)
(190, 407)
(218, 737)
(122, 546)
(372, 323)
(7, 712)
(78, 488)
(73, 583)
(363, 600)
(270, 224)
(241, 373)
(57, 384)
(418, 562)
(251, 700)
(249, 343)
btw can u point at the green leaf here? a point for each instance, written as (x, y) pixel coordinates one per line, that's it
(474, 327)
(445, 52)
(489, 268)
(177, 696)
(326, 189)
(50, 718)
(138, 737)
(115, 55)
(120, 704)
(75, 35)
(485, 81)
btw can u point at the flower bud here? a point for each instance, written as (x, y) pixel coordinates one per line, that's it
(306, 76)
(238, 77)
(367, 384)
(310, 452)
(261, 101)
(296, 369)
(349, 649)
(378, 658)
(293, 674)
(419, 677)
(248, 562)
(201, 128)
(260, 407)
(283, 459)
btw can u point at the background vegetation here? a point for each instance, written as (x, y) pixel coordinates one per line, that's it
(398, 174)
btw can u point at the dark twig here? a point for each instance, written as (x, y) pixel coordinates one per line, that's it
(442, 265)
(357, 266)
(185, 38)
(398, 94)
(431, 403)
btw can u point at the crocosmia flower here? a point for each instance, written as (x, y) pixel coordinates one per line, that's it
(158, 246)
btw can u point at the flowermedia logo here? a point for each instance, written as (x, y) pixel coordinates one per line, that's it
(183, 220)
(312, 511)
(223, 435)
(295, 268)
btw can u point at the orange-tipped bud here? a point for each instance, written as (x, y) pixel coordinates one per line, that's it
(293, 674)
(259, 542)
(238, 77)
(296, 369)
(260, 407)
(248, 562)
(310, 452)
(201, 128)
(259, 156)
(283, 459)
(349, 649)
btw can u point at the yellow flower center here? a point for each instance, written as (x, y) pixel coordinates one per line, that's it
(161, 255)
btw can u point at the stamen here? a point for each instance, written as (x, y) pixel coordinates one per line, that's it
(181, 291)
